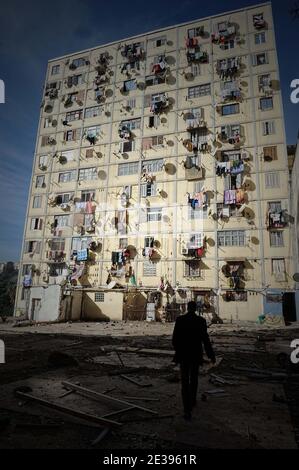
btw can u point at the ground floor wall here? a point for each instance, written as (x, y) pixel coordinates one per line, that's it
(44, 303)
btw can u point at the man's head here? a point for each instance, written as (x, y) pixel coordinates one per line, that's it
(191, 306)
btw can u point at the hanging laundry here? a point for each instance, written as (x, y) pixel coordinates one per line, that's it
(27, 280)
(78, 271)
(240, 196)
(230, 197)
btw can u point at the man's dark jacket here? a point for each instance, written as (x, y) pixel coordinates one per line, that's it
(189, 334)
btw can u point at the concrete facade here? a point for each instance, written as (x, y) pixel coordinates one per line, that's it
(164, 155)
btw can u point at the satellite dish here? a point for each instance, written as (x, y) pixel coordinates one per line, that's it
(111, 285)
(296, 277)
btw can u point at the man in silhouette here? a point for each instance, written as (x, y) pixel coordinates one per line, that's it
(189, 333)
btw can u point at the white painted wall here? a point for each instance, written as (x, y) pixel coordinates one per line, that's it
(49, 305)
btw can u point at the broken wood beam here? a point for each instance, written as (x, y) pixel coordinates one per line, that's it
(143, 398)
(97, 395)
(70, 411)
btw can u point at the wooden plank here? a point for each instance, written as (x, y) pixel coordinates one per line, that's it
(70, 411)
(143, 398)
(97, 395)
(135, 381)
(120, 359)
(124, 410)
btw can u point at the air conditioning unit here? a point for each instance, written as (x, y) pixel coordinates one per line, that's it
(184, 251)
(65, 207)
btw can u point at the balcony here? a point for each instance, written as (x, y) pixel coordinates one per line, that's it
(160, 104)
(228, 68)
(276, 220)
(56, 256)
(225, 32)
(234, 271)
(230, 92)
(124, 132)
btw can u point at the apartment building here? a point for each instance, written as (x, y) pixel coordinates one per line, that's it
(161, 175)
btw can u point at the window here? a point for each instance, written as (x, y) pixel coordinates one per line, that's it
(195, 70)
(266, 103)
(67, 176)
(80, 243)
(197, 213)
(153, 166)
(154, 121)
(194, 32)
(148, 189)
(272, 180)
(32, 246)
(125, 169)
(278, 267)
(149, 268)
(268, 127)
(227, 210)
(64, 198)
(36, 224)
(74, 115)
(149, 242)
(123, 243)
(57, 244)
(88, 220)
(57, 269)
(236, 296)
(231, 238)
(154, 214)
(88, 174)
(192, 268)
(131, 103)
(88, 195)
(195, 241)
(40, 181)
(26, 269)
(99, 297)
(228, 44)
(260, 38)
(71, 135)
(270, 153)
(155, 141)
(78, 62)
(260, 59)
(55, 69)
(130, 85)
(151, 80)
(230, 109)
(127, 146)
(158, 42)
(61, 221)
(92, 131)
(131, 124)
(274, 206)
(200, 90)
(93, 111)
(37, 202)
(43, 161)
(276, 238)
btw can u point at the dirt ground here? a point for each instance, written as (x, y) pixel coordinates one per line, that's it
(250, 399)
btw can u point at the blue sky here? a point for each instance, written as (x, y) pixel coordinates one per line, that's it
(33, 32)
